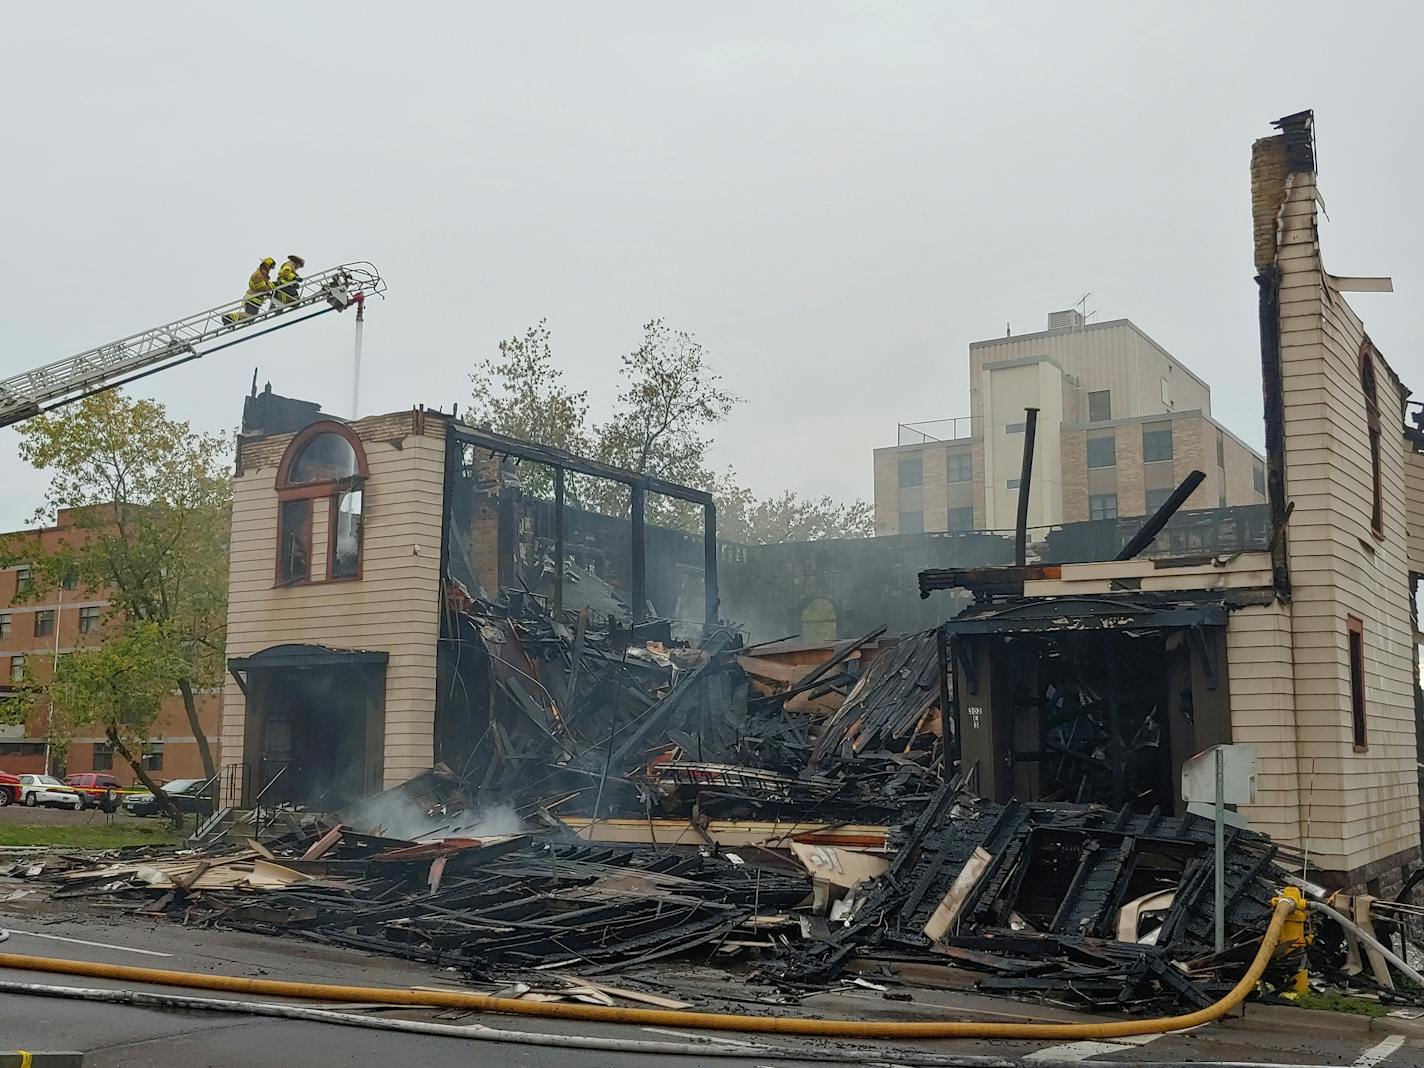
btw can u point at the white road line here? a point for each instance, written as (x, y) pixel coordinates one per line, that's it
(1084, 1051)
(82, 942)
(1375, 1054)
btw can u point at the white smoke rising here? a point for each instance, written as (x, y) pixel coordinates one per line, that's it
(394, 815)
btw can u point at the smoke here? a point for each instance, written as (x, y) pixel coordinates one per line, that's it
(395, 815)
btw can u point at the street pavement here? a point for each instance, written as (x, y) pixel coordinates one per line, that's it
(123, 1035)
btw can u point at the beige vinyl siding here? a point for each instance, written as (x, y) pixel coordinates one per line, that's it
(1361, 806)
(393, 607)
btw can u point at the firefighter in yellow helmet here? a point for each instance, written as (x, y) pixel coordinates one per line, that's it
(258, 287)
(289, 282)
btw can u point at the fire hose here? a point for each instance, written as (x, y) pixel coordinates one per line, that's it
(1285, 905)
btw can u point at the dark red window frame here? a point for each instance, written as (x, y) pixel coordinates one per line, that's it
(1355, 646)
(1369, 385)
(311, 492)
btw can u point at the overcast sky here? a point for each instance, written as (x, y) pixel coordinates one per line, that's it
(835, 198)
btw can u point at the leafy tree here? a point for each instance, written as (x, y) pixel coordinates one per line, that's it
(743, 517)
(118, 687)
(522, 394)
(661, 425)
(150, 503)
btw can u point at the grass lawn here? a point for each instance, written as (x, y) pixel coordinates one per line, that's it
(97, 836)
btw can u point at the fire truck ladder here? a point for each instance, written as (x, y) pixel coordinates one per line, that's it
(64, 381)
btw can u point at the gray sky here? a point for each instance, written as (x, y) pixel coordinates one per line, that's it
(836, 198)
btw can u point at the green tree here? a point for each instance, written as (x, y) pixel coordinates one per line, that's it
(521, 394)
(743, 517)
(150, 504)
(118, 687)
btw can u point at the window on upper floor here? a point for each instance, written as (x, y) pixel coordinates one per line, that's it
(1355, 637)
(153, 756)
(1156, 498)
(961, 466)
(17, 669)
(1012, 483)
(44, 622)
(1258, 479)
(90, 616)
(103, 756)
(912, 522)
(24, 580)
(1156, 443)
(912, 472)
(4, 624)
(1099, 405)
(1102, 452)
(1220, 449)
(1102, 506)
(1370, 387)
(961, 519)
(323, 467)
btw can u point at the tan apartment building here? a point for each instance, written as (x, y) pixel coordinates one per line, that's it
(33, 633)
(1305, 650)
(1121, 422)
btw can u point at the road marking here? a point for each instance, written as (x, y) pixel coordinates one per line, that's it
(1083, 1051)
(97, 945)
(1375, 1054)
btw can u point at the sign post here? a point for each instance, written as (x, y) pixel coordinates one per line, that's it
(1222, 775)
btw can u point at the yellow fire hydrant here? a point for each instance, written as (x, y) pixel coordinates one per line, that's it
(1294, 935)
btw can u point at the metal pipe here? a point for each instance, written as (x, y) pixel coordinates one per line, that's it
(1025, 478)
(1143, 537)
(558, 541)
(711, 603)
(640, 555)
(1368, 939)
(360, 300)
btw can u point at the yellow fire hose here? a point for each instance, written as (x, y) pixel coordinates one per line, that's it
(1285, 905)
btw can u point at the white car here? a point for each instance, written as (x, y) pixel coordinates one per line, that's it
(47, 790)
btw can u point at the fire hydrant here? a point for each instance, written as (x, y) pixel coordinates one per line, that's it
(1294, 935)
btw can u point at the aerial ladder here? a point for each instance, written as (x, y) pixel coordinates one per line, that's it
(32, 393)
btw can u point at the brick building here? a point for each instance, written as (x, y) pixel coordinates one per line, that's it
(1121, 422)
(33, 633)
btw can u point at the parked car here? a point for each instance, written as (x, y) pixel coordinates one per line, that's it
(48, 791)
(189, 795)
(97, 789)
(9, 789)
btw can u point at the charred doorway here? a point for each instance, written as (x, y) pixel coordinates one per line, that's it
(314, 727)
(1088, 700)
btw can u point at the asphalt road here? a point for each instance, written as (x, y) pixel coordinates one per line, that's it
(122, 1035)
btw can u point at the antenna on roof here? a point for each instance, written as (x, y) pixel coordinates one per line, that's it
(1082, 305)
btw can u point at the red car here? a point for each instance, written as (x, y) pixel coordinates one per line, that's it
(96, 789)
(9, 788)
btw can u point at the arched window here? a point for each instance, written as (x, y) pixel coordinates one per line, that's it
(818, 621)
(1370, 388)
(324, 465)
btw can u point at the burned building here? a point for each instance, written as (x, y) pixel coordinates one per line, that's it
(349, 669)
(1095, 681)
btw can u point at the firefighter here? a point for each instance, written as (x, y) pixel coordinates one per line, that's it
(258, 286)
(289, 282)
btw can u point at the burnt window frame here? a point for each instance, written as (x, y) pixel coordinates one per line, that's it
(331, 490)
(1355, 662)
(1369, 386)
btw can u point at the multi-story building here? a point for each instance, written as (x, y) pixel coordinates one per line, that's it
(1121, 421)
(34, 633)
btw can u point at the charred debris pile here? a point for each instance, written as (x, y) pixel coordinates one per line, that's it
(579, 719)
(1077, 904)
